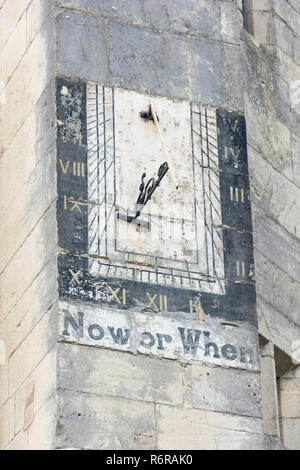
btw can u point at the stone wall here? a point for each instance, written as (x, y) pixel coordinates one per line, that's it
(272, 108)
(166, 49)
(28, 235)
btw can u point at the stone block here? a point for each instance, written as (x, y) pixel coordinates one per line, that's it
(269, 391)
(148, 61)
(231, 23)
(36, 16)
(10, 14)
(290, 432)
(26, 314)
(33, 142)
(277, 288)
(267, 234)
(38, 248)
(276, 327)
(268, 138)
(3, 383)
(184, 16)
(239, 393)
(116, 374)
(284, 35)
(13, 50)
(207, 79)
(41, 433)
(20, 96)
(233, 82)
(180, 16)
(82, 46)
(28, 207)
(297, 50)
(6, 423)
(275, 195)
(33, 349)
(295, 5)
(289, 398)
(35, 392)
(182, 429)
(19, 442)
(288, 14)
(108, 423)
(260, 5)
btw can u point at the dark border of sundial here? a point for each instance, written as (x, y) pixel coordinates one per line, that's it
(75, 282)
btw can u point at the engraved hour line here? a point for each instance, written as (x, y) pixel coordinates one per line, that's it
(237, 194)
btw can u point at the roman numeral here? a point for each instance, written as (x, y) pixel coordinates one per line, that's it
(240, 269)
(77, 168)
(159, 302)
(237, 194)
(234, 153)
(117, 296)
(75, 205)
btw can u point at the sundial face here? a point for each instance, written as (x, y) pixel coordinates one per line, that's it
(179, 244)
(188, 245)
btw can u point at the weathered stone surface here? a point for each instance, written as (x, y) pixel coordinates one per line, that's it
(269, 234)
(29, 310)
(28, 207)
(35, 391)
(6, 423)
(32, 143)
(10, 14)
(16, 43)
(211, 78)
(148, 61)
(295, 159)
(231, 22)
(182, 16)
(33, 349)
(19, 96)
(290, 432)
(289, 397)
(4, 383)
(19, 442)
(124, 424)
(207, 72)
(277, 288)
(269, 390)
(41, 433)
(276, 327)
(37, 250)
(297, 50)
(275, 195)
(116, 374)
(74, 56)
(142, 333)
(36, 16)
(194, 429)
(238, 395)
(288, 13)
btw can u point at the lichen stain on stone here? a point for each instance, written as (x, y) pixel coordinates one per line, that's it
(71, 128)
